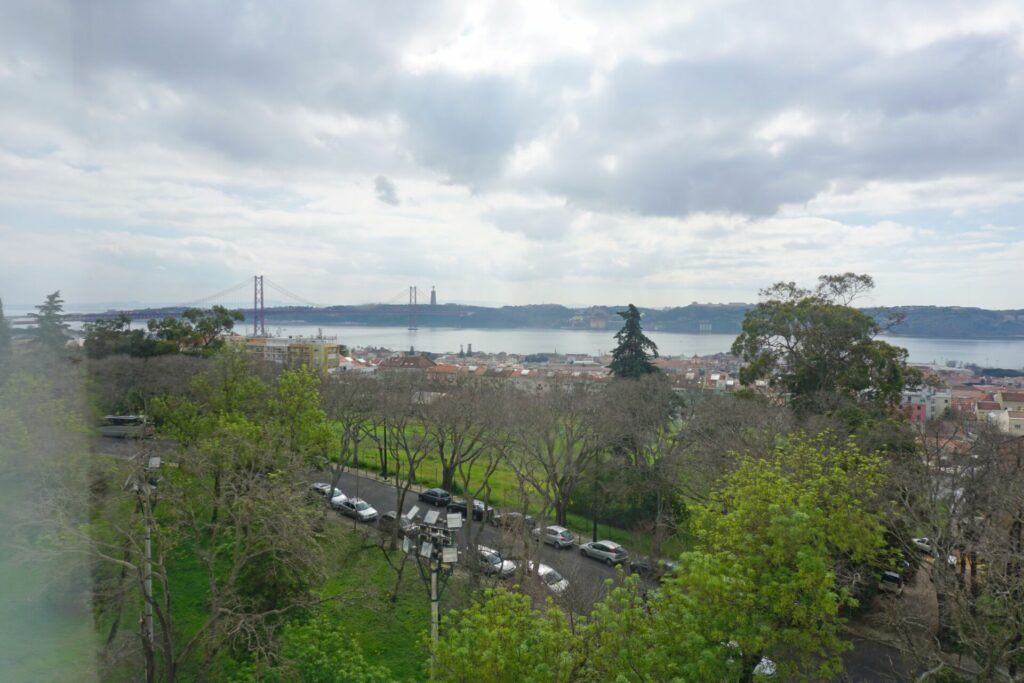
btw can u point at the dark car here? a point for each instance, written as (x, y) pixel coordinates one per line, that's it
(512, 521)
(406, 527)
(480, 510)
(651, 567)
(438, 497)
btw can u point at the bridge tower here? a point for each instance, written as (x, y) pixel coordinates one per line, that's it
(412, 307)
(259, 315)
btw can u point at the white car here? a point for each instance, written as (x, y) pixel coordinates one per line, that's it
(491, 562)
(554, 581)
(357, 508)
(338, 499)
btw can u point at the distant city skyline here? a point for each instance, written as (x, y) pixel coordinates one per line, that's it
(651, 152)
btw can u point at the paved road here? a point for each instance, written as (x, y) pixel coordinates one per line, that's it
(868, 662)
(586, 576)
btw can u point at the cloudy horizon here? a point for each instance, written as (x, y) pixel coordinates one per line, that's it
(577, 153)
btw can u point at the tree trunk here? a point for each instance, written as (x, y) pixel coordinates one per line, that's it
(447, 476)
(216, 496)
(560, 512)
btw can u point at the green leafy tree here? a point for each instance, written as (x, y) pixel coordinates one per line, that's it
(814, 345)
(503, 638)
(301, 425)
(787, 527)
(51, 331)
(632, 357)
(679, 633)
(114, 336)
(317, 651)
(197, 330)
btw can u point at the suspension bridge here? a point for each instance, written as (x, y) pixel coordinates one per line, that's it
(256, 314)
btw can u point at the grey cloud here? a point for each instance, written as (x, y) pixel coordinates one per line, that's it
(386, 191)
(682, 128)
(544, 225)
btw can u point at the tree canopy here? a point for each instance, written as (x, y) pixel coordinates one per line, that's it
(813, 343)
(197, 329)
(51, 331)
(632, 357)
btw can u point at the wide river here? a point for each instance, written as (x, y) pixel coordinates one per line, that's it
(987, 353)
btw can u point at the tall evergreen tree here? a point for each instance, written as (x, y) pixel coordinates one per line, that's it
(5, 342)
(51, 330)
(632, 357)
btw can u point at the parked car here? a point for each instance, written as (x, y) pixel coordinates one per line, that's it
(512, 520)
(406, 527)
(323, 488)
(609, 552)
(357, 508)
(491, 562)
(338, 499)
(555, 535)
(438, 497)
(891, 582)
(480, 510)
(555, 582)
(765, 668)
(924, 544)
(652, 567)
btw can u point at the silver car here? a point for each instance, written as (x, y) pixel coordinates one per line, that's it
(324, 489)
(609, 552)
(491, 562)
(357, 508)
(558, 536)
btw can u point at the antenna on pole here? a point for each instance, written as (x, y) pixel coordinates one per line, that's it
(259, 315)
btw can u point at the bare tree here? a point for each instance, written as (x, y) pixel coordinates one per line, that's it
(556, 442)
(965, 492)
(457, 423)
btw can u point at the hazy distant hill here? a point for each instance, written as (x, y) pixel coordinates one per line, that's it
(948, 322)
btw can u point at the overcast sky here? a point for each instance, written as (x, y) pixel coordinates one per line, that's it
(565, 152)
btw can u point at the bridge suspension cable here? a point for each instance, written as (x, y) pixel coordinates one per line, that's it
(295, 297)
(213, 297)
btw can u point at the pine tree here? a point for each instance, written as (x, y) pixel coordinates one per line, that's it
(632, 357)
(51, 330)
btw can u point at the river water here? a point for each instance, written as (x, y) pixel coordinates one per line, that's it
(984, 352)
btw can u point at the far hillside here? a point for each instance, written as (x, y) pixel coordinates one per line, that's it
(940, 322)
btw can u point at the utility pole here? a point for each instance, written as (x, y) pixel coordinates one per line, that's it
(144, 481)
(433, 543)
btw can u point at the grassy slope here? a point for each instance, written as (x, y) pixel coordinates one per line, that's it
(358, 580)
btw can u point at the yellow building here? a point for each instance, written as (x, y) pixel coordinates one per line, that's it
(320, 352)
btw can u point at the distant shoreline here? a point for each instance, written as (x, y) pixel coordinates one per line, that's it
(925, 322)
